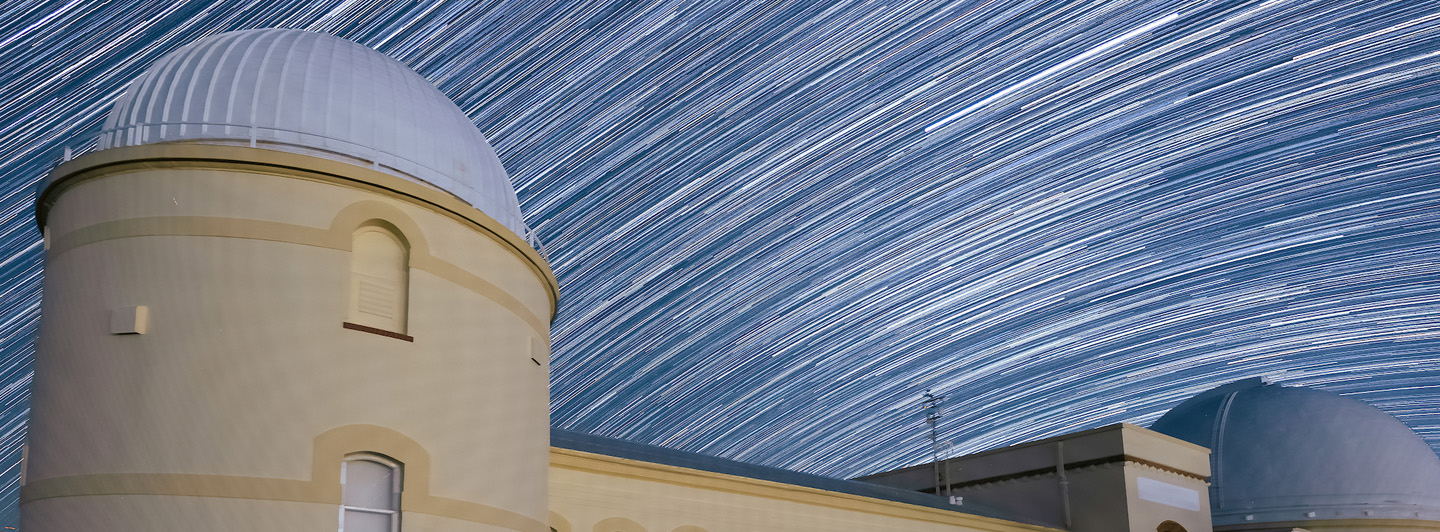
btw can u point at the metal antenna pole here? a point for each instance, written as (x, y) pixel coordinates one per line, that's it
(931, 406)
(948, 475)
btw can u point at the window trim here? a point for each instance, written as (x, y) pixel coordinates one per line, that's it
(354, 315)
(397, 486)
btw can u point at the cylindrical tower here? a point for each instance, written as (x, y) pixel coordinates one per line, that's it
(291, 290)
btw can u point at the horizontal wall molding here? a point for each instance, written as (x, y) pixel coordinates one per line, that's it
(206, 226)
(292, 165)
(323, 487)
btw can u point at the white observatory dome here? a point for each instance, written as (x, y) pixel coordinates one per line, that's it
(1293, 454)
(312, 93)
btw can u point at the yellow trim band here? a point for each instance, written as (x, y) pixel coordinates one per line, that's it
(205, 226)
(322, 488)
(285, 164)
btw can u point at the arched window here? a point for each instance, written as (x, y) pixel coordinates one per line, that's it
(618, 524)
(1169, 526)
(369, 494)
(379, 279)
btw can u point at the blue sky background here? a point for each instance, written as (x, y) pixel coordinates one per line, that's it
(777, 223)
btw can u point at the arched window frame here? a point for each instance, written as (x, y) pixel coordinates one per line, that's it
(397, 323)
(396, 487)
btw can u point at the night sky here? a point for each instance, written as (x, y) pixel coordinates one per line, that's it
(777, 223)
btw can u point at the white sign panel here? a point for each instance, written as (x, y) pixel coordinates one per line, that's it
(1168, 494)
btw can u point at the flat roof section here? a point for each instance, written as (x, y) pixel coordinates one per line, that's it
(1111, 443)
(578, 441)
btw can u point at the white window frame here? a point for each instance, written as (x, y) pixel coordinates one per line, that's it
(397, 482)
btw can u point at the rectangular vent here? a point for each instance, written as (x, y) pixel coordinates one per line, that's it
(377, 296)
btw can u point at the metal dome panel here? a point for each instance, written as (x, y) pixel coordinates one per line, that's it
(294, 90)
(1289, 454)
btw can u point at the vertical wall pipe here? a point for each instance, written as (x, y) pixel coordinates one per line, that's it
(1064, 481)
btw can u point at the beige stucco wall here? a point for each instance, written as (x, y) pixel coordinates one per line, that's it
(596, 493)
(1147, 515)
(246, 389)
(1102, 498)
(143, 512)
(1039, 497)
(1102, 471)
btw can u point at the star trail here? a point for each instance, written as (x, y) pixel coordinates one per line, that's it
(777, 223)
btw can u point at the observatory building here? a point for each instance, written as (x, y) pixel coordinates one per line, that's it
(291, 285)
(1286, 458)
(292, 289)
(1281, 459)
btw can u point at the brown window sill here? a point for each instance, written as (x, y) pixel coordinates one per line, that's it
(381, 332)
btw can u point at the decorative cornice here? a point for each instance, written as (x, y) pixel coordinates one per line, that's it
(1108, 460)
(286, 164)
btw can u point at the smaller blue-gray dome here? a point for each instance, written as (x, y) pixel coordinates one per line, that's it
(1292, 454)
